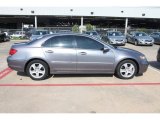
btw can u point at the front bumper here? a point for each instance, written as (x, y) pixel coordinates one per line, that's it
(143, 66)
(158, 58)
(117, 42)
(145, 43)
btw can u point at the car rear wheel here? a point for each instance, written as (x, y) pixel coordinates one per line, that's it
(37, 70)
(126, 69)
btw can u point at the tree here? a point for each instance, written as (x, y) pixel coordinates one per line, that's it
(75, 28)
(89, 27)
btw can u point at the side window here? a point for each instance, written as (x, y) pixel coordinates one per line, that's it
(88, 43)
(60, 41)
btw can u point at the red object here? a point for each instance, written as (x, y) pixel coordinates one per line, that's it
(12, 51)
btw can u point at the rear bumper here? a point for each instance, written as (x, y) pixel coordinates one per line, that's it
(17, 65)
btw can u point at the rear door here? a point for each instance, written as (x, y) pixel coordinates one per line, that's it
(61, 53)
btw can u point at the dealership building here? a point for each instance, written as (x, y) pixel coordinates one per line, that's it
(101, 17)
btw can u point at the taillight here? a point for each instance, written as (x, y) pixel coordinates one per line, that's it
(12, 51)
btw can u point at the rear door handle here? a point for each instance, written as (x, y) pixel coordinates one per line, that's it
(83, 53)
(49, 51)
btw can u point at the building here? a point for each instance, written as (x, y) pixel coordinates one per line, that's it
(106, 17)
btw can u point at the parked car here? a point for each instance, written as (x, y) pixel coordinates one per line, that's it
(18, 34)
(74, 54)
(38, 33)
(156, 37)
(115, 37)
(4, 37)
(140, 38)
(158, 55)
(93, 33)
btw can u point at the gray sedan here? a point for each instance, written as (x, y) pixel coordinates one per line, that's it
(140, 38)
(74, 54)
(116, 38)
(156, 37)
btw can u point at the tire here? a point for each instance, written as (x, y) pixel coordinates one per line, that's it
(121, 67)
(136, 43)
(37, 70)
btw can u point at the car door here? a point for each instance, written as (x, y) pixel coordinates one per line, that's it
(91, 58)
(61, 53)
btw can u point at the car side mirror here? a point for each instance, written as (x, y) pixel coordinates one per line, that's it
(105, 49)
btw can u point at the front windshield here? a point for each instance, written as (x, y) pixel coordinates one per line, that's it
(140, 34)
(114, 34)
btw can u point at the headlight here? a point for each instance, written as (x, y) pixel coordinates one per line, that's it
(142, 57)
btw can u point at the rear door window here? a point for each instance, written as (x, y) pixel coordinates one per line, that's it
(60, 41)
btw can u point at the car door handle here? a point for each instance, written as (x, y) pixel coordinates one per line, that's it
(49, 51)
(83, 53)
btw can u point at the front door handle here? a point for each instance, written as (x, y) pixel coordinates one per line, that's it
(83, 53)
(49, 51)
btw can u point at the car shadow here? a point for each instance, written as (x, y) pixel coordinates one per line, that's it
(71, 75)
(82, 75)
(22, 74)
(155, 64)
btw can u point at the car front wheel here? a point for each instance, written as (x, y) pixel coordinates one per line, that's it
(126, 69)
(136, 43)
(37, 70)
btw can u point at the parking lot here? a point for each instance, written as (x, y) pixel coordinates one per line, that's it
(80, 93)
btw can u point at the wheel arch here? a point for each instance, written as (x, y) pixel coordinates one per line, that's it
(36, 59)
(138, 66)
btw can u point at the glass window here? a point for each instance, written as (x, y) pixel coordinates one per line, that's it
(88, 43)
(60, 41)
(114, 34)
(141, 34)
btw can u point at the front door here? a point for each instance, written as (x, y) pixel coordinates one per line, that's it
(91, 58)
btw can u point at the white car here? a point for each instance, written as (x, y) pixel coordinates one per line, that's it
(18, 34)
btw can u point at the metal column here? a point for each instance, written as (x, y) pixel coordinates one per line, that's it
(126, 26)
(81, 27)
(35, 22)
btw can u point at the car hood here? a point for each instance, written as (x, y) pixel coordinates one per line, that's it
(130, 51)
(116, 37)
(144, 37)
